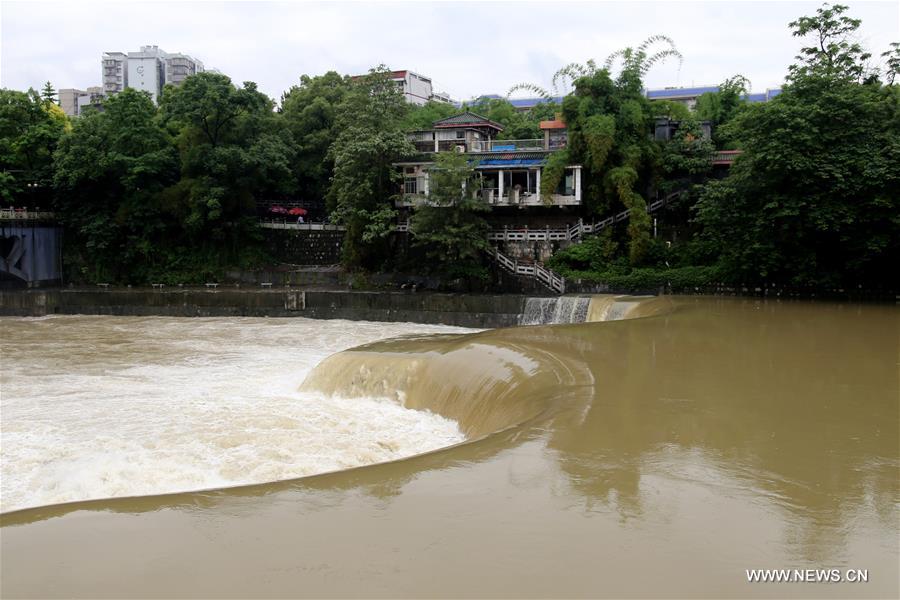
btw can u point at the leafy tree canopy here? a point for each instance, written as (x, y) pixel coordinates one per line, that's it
(451, 226)
(30, 129)
(721, 107)
(309, 111)
(814, 198)
(109, 172)
(365, 182)
(422, 117)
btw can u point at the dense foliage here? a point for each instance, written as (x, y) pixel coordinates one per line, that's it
(173, 194)
(814, 200)
(365, 183)
(811, 203)
(30, 129)
(451, 225)
(309, 113)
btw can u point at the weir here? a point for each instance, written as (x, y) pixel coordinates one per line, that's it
(488, 381)
(621, 446)
(549, 311)
(578, 309)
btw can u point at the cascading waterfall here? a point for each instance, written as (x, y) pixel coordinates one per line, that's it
(586, 309)
(551, 311)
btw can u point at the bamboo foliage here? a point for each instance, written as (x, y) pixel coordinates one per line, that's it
(636, 61)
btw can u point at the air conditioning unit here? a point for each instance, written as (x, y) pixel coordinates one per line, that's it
(460, 149)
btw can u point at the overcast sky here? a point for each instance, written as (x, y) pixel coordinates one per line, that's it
(467, 48)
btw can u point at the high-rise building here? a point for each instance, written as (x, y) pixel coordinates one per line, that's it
(416, 89)
(181, 66)
(114, 72)
(74, 101)
(68, 100)
(149, 69)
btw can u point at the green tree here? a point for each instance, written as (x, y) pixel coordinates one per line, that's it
(892, 63)
(309, 111)
(813, 200)
(422, 117)
(609, 121)
(720, 108)
(29, 132)
(234, 152)
(365, 183)
(48, 93)
(109, 172)
(670, 109)
(833, 55)
(450, 225)
(686, 159)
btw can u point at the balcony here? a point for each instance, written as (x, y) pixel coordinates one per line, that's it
(531, 145)
(515, 197)
(424, 144)
(492, 197)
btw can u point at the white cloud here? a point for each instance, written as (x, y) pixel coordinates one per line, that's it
(468, 48)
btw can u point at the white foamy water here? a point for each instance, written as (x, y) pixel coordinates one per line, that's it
(95, 407)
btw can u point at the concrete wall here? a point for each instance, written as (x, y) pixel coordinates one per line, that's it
(449, 309)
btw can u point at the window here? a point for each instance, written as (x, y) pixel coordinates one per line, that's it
(460, 134)
(409, 185)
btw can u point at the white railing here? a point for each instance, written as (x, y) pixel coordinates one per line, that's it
(7, 214)
(285, 224)
(523, 198)
(506, 145)
(568, 233)
(537, 271)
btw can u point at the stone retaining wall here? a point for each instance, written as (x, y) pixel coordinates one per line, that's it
(465, 310)
(301, 247)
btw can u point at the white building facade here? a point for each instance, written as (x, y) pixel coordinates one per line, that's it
(114, 72)
(149, 70)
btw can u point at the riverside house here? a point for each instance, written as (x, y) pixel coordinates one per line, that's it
(510, 169)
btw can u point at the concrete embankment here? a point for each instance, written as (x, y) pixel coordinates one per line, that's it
(450, 309)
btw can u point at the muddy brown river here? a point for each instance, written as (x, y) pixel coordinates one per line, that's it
(673, 453)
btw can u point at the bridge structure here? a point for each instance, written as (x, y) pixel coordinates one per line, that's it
(30, 248)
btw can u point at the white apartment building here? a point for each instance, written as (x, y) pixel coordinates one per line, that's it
(149, 69)
(114, 72)
(416, 88)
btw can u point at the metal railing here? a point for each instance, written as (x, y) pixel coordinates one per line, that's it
(572, 232)
(542, 274)
(725, 157)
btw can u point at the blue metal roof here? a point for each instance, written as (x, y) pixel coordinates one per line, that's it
(529, 102)
(651, 94)
(675, 92)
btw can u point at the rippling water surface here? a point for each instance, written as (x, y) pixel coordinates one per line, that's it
(96, 407)
(649, 457)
